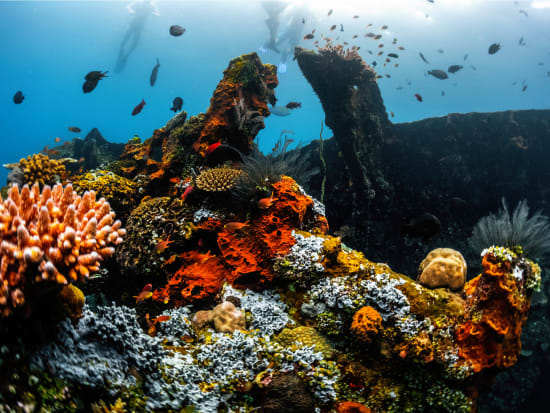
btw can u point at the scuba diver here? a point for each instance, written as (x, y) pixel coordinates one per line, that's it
(284, 39)
(141, 10)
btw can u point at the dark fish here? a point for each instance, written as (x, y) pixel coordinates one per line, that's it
(308, 36)
(91, 80)
(378, 36)
(541, 63)
(495, 47)
(521, 41)
(521, 11)
(355, 36)
(394, 55)
(399, 87)
(293, 105)
(356, 16)
(380, 45)
(333, 27)
(18, 97)
(341, 27)
(384, 27)
(154, 73)
(138, 107)
(329, 12)
(465, 56)
(442, 93)
(401, 48)
(74, 129)
(177, 104)
(440, 51)
(418, 97)
(423, 58)
(424, 225)
(373, 64)
(303, 21)
(473, 67)
(430, 1)
(370, 34)
(176, 30)
(440, 74)
(524, 88)
(454, 68)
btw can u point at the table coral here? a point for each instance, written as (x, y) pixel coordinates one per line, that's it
(54, 235)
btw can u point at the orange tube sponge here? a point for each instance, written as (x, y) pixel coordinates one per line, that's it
(352, 407)
(366, 323)
(54, 235)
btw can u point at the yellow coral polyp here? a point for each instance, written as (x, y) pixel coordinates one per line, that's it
(366, 324)
(105, 183)
(54, 235)
(217, 179)
(41, 169)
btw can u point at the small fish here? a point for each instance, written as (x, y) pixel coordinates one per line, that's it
(91, 80)
(186, 193)
(81, 160)
(303, 21)
(138, 107)
(175, 180)
(57, 139)
(329, 12)
(378, 36)
(439, 74)
(440, 51)
(495, 47)
(74, 129)
(355, 17)
(401, 48)
(373, 64)
(388, 76)
(394, 55)
(473, 67)
(46, 148)
(524, 88)
(341, 27)
(442, 93)
(308, 36)
(384, 27)
(380, 45)
(145, 293)
(466, 56)
(235, 226)
(423, 225)
(392, 114)
(332, 27)
(265, 203)
(211, 148)
(370, 34)
(170, 260)
(380, 53)
(355, 36)
(176, 30)
(18, 97)
(521, 41)
(418, 97)
(521, 11)
(454, 68)
(161, 319)
(154, 74)
(162, 245)
(430, 1)
(399, 87)
(293, 105)
(423, 58)
(177, 103)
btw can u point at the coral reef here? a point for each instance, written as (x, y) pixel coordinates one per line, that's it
(366, 323)
(225, 316)
(51, 236)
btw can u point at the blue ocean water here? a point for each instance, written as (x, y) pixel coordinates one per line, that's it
(47, 48)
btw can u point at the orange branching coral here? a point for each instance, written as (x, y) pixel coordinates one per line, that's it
(352, 407)
(52, 236)
(497, 305)
(366, 324)
(201, 276)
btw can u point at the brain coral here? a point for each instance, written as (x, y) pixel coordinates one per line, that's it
(443, 268)
(53, 236)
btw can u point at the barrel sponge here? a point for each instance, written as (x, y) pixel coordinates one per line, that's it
(443, 268)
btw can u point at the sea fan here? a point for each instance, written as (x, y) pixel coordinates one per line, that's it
(515, 229)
